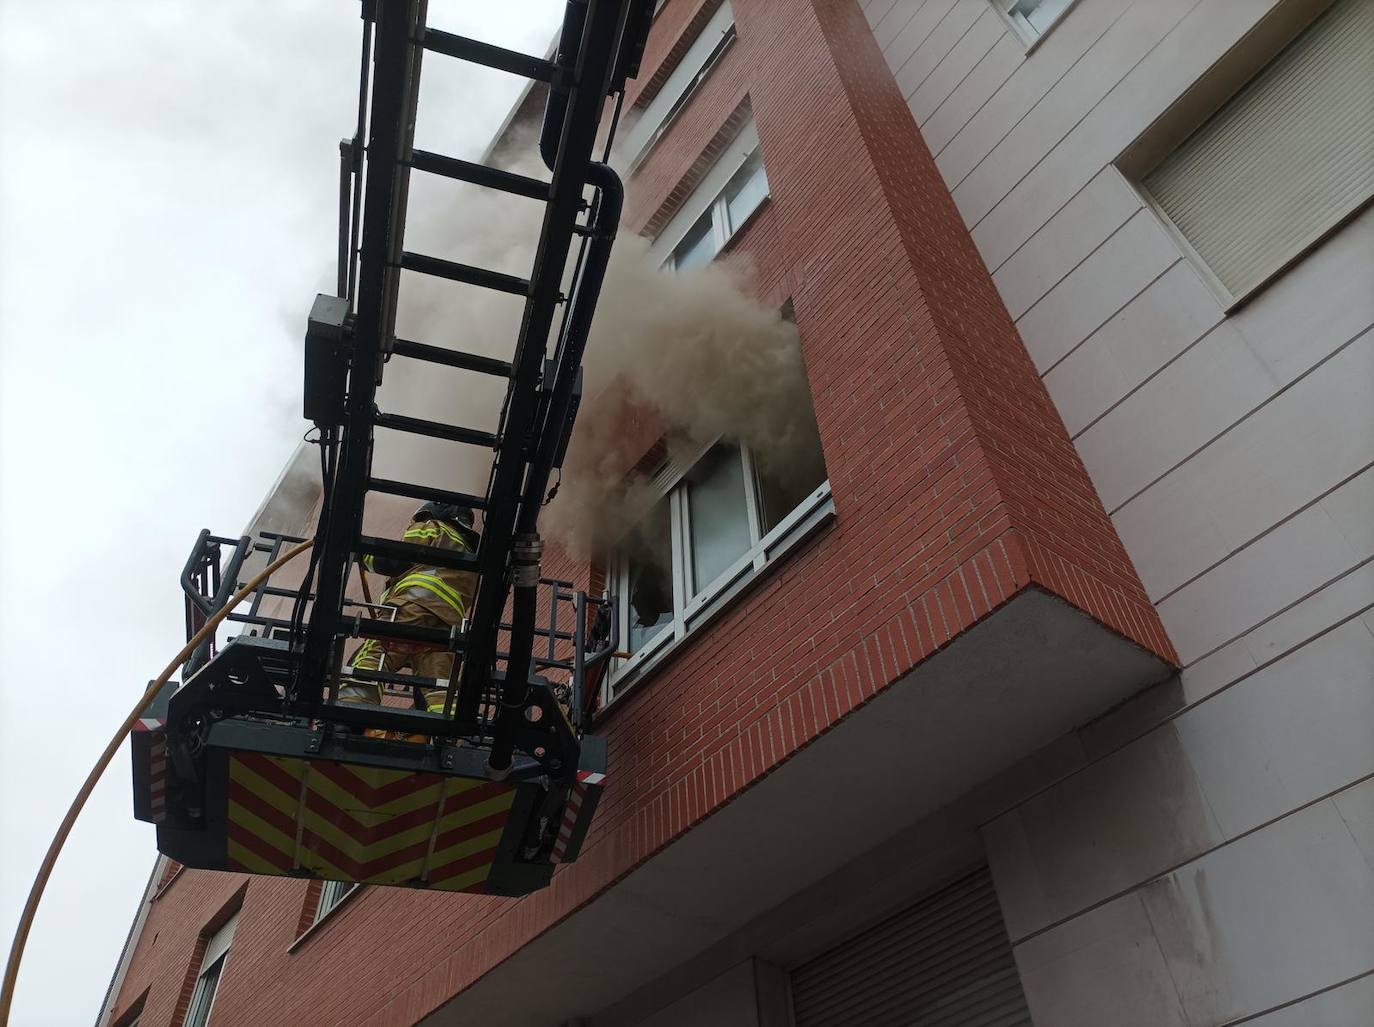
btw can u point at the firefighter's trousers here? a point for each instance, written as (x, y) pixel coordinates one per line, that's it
(395, 656)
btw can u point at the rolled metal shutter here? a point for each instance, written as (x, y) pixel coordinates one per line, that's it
(1285, 160)
(944, 962)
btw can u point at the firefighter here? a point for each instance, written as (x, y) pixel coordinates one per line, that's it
(423, 595)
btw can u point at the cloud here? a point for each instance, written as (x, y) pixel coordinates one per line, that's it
(167, 212)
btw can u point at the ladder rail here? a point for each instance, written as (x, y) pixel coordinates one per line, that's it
(556, 413)
(391, 124)
(356, 153)
(592, 57)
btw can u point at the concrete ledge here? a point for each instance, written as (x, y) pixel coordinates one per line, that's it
(1030, 672)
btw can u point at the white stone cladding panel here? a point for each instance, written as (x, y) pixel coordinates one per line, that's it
(1226, 767)
(955, 66)
(933, 50)
(1341, 1006)
(1071, 237)
(1104, 967)
(1285, 911)
(1121, 268)
(1274, 463)
(1001, 111)
(1097, 834)
(1155, 83)
(1212, 858)
(926, 18)
(1165, 318)
(1110, 59)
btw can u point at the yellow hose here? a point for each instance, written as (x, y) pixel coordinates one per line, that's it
(21, 934)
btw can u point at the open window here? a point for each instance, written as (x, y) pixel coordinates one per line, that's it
(646, 560)
(720, 515)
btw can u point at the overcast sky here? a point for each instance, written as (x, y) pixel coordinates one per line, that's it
(168, 177)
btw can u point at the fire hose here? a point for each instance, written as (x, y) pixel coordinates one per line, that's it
(21, 934)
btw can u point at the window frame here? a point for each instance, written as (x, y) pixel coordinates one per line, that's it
(708, 200)
(723, 228)
(713, 232)
(322, 911)
(661, 112)
(1022, 29)
(133, 1015)
(321, 914)
(694, 608)
(727, 40)
(199, 993)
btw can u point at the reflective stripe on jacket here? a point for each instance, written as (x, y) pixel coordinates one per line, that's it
(442, 591)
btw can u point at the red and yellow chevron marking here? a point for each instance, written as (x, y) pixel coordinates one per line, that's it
(363, 823)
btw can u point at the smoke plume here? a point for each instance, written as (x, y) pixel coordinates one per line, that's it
(692, 349)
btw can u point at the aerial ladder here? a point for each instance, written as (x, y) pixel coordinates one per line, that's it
(250, 763)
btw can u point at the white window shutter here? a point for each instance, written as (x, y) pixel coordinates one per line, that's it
(1285, 160)
(218, 944)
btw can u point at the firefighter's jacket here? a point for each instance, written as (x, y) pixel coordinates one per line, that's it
(442, 592)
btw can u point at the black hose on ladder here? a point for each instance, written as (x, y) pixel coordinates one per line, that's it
(527, 549)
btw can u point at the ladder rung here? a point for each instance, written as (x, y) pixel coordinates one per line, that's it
(414, 555)
(388, 678)
(425, 492)
(435, 429)
(479, 174)
(465, 273)
(497, 57)
(371, 627)
(439, 355)
(562, 636)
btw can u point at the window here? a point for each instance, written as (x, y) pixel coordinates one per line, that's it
(211, 970)
(681, 84)
(698, 246)
(722, 514)
(717, 513)
(331, 894)
(1284, 162)
(649, 577)
(1031, 19)
(728, 196)
(782, 490)
(745, 191)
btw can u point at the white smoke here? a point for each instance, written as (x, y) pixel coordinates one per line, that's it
(692, 349)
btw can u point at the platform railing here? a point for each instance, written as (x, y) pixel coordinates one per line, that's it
(569, 642)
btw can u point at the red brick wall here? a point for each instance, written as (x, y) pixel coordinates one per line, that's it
(189, 908)
(955, 483)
